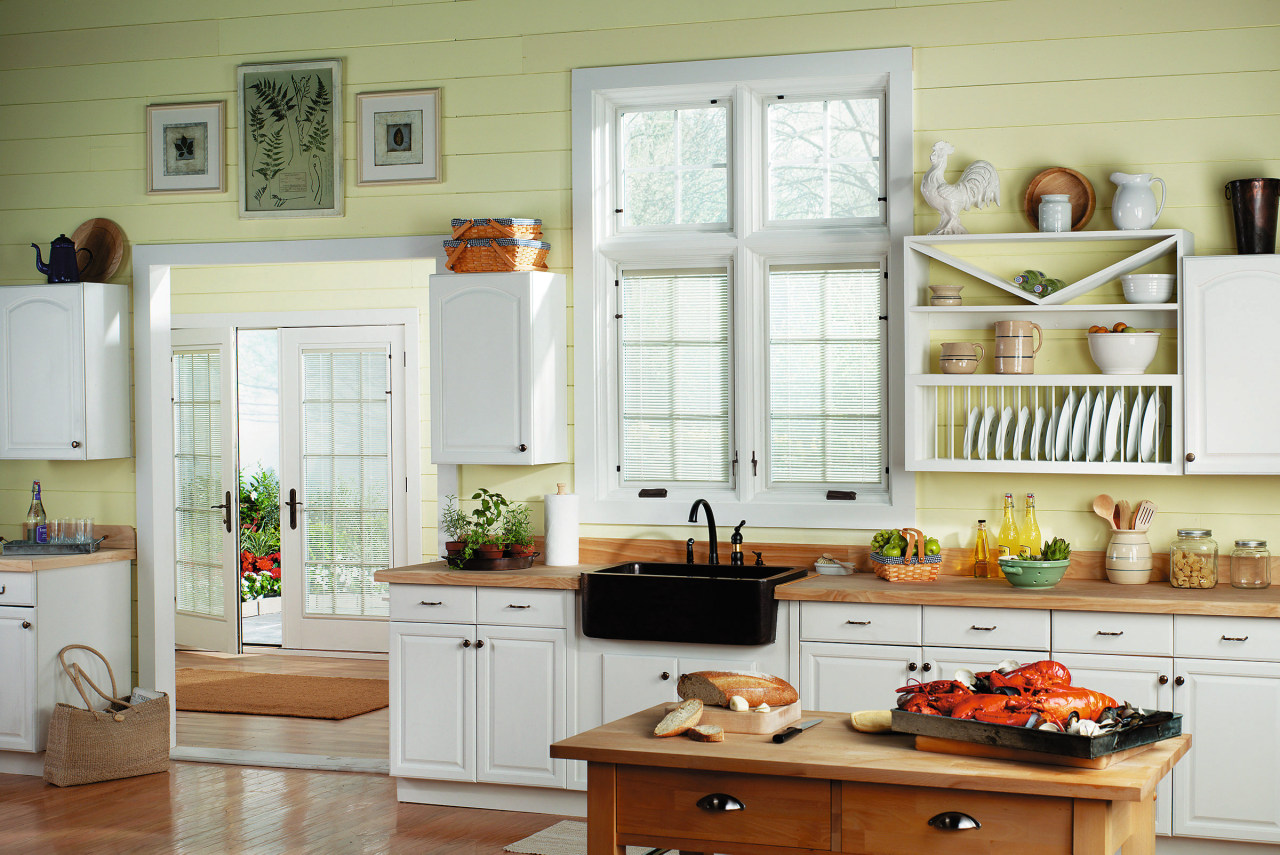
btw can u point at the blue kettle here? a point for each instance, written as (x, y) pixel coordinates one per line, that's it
(62, 266)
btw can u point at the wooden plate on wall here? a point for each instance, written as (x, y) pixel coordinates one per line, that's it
(105, 240)
(1059, 179)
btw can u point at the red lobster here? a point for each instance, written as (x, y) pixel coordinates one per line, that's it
(1039, 689)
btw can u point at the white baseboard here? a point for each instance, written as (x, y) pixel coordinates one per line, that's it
(1202, 846)
(492, 797)
(22, 763)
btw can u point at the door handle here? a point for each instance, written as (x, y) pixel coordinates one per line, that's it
(226, 511)
(293, 508)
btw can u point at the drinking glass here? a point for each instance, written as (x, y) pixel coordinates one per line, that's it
(84, 530)
(62, 531)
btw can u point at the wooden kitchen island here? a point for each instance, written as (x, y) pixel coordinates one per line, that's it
(832, 789)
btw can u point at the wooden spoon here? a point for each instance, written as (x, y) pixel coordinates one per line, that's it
(1105, 507)
(1143, 516)
(1123, 518)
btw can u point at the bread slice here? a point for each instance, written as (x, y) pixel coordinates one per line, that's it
(872, 721)
(680, 719)
(716, 687)
(706, 733)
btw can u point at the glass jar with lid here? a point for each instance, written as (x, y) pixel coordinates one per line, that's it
(1193, 559)
(1250, 564)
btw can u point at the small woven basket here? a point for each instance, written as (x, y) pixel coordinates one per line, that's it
(503, 227)
(495, 255)
(914, 569)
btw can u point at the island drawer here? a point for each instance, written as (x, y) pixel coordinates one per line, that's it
(1215, 637)
(664, 802)
(866, 623)
(433, 603)
(959, 626)
(17, 589)
(524, 607)
(1113, 632)
(884, 819)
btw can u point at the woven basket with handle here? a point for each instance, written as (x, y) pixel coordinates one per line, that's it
(495, 255)
(913, 569)
(502, 227)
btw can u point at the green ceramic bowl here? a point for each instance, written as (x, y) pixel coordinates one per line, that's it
(1030, 573)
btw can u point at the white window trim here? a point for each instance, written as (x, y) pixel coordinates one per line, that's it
(595, 91)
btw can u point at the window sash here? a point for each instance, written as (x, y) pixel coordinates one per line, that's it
(680, 170)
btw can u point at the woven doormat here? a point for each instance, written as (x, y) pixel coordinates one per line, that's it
(250, 693)
(564, 838)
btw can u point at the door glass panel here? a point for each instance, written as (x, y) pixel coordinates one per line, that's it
(346, 472)
(197, 464)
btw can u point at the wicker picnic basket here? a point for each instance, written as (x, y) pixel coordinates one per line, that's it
(495, 255)
(502, 227)
(914, 569)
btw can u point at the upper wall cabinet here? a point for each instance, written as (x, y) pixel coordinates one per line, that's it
(64, 372)
(498, 368)
(1232, 351)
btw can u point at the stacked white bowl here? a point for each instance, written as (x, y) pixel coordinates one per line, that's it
(1148, 287)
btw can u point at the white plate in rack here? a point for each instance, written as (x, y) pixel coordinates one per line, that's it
(1033, 449)
(1147, 443)
(984, 432)
(1135, 428)
(1020, 433)
(1002, 432)
(1093, 446)
(1115, 416)
(1062, 433)
(969, 427)
(1078, 428)
(1051, 428)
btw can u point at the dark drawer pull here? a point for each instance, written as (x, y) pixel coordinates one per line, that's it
(514, 606)
(981, 629)
(1121, 632)
(1229, 638)
(425, 603)
(2, 587)
(719, 802)
(859, 622)
(953, 820)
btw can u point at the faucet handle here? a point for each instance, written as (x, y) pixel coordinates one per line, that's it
(688, 551)
(759, 558)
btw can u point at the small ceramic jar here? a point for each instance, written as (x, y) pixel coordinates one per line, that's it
(1055, 212)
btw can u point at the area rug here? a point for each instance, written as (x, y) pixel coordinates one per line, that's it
(564, 838)
(250, 693)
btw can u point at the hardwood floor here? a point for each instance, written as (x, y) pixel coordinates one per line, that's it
(202, 808)
(363, 737)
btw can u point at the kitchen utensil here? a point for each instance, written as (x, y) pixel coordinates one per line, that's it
(1019, 433)
(1055, 212)
(969, 428)
(1147, 287)
(1123, 352)
(1062, 434)
(63, 263)
(1078, 428)
(1123, 515)
(983, 432)
(1002, 432)
(1093, 445)
(1128, 560)
(969, 349)
(1033, 449)
(1135, 428)
(795, 730)
(105, 241)
(1134, 205)
(1143, 516)
(958, 364)
(1147, 442)
(1051, 427)
(1115, 416)
(1104, 506)
(1017, 343)
(1060, 179)
(945, 295)
(1032, 572)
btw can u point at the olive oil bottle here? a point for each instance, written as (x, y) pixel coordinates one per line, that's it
(982, 553)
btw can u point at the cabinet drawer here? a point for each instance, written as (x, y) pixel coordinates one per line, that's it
(957, 626)
(17, 589)
(1212, 637)
(524, 607)
(664, 803)
(1113, 632)
(442, 603)
(870, 623)
(892, 820)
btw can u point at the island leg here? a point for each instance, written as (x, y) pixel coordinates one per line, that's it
(1142, 828)
(602, 810)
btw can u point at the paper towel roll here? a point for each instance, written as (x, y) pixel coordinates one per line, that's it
(562, 528)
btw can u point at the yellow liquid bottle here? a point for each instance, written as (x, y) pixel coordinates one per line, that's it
(1007, 538)
(1029, 533)
(981, 553)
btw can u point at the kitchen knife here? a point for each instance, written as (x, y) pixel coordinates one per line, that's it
(796, 730)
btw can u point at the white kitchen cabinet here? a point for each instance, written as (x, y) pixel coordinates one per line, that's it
(1231, 302)
(499, 390)
(40, 613)
(64, 372)
(939, 406)
(479, 701)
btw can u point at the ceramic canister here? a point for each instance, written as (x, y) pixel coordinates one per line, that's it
(1129, 558)
(1014, 352)
(1054, 214)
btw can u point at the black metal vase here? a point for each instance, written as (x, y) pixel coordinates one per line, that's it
(1254, 203)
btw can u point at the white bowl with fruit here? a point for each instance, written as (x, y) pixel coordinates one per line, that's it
(1121, 349)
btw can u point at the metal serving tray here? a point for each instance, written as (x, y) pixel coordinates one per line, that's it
(26, 547)
(1030, 739)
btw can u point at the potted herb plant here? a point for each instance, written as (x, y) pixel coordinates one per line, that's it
(456, 524)
(517, 531)
(485, 535)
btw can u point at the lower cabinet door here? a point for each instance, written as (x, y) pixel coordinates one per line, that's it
(17, 679)
(433, 701)
(522, 704)
(1228, 785)
(852, 677)
(630, 683)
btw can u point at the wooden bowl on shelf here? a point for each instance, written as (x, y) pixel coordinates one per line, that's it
(1060, 179)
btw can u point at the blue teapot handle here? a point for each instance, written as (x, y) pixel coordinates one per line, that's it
(90, 261)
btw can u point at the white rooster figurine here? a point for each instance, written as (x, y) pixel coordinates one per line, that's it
(978, 187)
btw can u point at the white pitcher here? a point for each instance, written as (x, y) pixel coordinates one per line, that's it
(1134, 205)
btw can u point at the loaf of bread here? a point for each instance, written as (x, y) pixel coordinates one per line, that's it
(680, 719)
(717, 687)
(706, 733)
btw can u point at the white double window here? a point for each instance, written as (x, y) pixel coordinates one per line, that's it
(734, 225)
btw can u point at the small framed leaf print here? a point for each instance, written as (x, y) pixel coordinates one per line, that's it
(399, 137)
(290, 131)
(184, 148)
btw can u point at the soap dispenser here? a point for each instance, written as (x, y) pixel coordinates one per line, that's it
(736, 558)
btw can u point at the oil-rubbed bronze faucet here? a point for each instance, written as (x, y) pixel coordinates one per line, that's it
(711, 528)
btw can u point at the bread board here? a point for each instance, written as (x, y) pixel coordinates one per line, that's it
(747, 722)
(939, 745)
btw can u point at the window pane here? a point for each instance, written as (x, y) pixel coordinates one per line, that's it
(826, 375)
(675, 388)
(824, 159)
(675, 166)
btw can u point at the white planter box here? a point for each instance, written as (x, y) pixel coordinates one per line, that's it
(260, 606)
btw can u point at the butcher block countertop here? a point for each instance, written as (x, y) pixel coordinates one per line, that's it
(835, 751)
(120, 545)
(440, 573)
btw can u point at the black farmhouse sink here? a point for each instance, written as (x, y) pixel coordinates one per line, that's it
(697, 603)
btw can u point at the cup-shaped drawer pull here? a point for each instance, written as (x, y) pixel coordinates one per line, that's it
(1103, 632)
(715, 802)
(514, 606)
(983, 629)
(954, 820)
(1235, 638)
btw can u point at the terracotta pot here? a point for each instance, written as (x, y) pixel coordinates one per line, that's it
(516, 550)
(488, 550)
(454, 547)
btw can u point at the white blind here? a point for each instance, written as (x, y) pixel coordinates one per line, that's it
(826, 375)
(675, 392)
(197, 466)
(346, 474)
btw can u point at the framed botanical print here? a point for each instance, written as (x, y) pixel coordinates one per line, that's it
(184, 148)
(290, 132)
(399, 137)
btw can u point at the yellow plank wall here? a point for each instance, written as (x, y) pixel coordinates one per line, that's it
(1185, 89)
